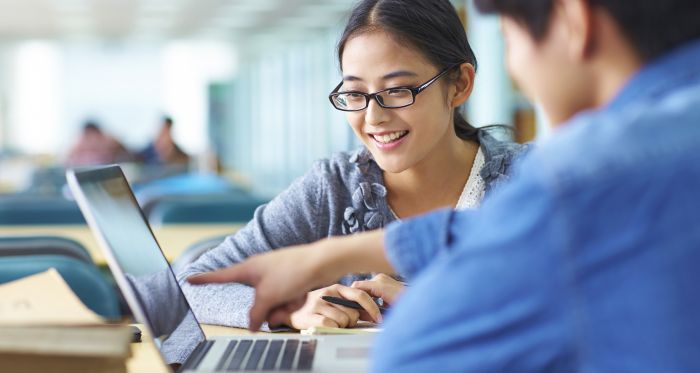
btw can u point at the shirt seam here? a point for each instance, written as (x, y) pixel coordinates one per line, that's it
(570, 278)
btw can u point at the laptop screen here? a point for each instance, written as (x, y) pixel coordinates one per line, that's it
(114, 213)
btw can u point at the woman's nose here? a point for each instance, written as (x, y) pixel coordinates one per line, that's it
(375, 115)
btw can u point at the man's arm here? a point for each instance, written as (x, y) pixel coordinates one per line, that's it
(498, 296)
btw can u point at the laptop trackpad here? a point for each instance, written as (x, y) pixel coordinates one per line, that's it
(352, 352)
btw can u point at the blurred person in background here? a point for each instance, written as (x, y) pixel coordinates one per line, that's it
(94, 147)
(163, 150)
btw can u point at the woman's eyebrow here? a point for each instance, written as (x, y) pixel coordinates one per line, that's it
(398, 74)
(392, 75)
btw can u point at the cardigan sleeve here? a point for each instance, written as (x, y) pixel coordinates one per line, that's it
(294, 217)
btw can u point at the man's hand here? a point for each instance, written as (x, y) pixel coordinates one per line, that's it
(282, 278)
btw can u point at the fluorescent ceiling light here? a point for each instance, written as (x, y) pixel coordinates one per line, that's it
(69, 5)
(242, 21)
(247, 7)
(74, 23)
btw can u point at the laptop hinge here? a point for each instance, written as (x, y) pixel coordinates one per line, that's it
(196, 356)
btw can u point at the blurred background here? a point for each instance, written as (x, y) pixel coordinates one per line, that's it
(192, 96)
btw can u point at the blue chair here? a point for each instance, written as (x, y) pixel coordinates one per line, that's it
(47, 181)
(194, 251)
(43, 245)
(183, 184)
(36, 210)
(83, 278)
(205, 209)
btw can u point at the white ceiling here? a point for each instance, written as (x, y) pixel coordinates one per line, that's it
(164, 19)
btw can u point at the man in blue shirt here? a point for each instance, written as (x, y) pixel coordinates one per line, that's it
(587, 260)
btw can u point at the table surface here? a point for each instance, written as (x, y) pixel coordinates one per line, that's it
(173, 238)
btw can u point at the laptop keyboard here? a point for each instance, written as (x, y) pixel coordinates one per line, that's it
(267, 355)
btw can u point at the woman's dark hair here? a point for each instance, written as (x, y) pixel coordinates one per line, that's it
(653, 27)
(430, 26)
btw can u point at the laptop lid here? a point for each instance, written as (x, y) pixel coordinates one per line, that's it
(136, 260)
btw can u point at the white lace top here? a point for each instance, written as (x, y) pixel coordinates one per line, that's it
(474, 189)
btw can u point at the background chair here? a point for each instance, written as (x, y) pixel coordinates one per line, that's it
(37, 210)
(83, 278)
(148, 191)
(43, 245)
(193, 252)
(219, 208)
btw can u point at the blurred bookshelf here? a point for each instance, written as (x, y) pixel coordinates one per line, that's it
(495, 98)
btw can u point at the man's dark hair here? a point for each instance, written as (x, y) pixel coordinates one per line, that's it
(167, 120)
(91, 125)
(653, 27)
(432, 27)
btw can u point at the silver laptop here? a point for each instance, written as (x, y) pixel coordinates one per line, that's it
(156, 299)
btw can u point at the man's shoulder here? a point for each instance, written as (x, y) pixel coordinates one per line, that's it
(606, 144)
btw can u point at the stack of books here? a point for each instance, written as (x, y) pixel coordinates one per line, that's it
(45, 328)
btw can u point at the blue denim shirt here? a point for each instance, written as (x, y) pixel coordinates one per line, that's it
(586, 261)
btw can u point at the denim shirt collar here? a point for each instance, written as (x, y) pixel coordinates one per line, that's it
(670, 71)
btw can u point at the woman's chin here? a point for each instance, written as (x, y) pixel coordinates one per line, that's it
(392, 166)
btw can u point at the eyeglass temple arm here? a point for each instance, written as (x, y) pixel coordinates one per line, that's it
(335, 90)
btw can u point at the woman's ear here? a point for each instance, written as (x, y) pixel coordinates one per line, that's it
(464, 84)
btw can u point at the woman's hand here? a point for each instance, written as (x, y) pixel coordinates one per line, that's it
(317, 312)
(381, 286)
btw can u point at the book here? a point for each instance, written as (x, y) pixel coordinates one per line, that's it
(45, 327)
(362, 327)
(64, 348)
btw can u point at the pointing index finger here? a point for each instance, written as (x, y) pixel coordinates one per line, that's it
(236, 273)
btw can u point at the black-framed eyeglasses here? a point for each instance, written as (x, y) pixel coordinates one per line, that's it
(390, 98)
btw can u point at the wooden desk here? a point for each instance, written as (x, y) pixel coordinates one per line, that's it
(173, 239)
(145, 357)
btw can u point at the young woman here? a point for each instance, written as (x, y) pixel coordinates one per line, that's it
(407, 68)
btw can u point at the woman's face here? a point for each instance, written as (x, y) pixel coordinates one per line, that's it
(397, 138)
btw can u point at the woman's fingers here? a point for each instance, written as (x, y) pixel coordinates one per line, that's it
(365, 300)
(342, 316)
(369, 286)
(320, 320)
(381, 286)
(317, 312)
(282, 315)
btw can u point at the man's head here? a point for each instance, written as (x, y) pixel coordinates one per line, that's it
(91, 127)
(167, 121)
(573, 55)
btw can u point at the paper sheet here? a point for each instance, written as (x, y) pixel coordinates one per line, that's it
(43, 299)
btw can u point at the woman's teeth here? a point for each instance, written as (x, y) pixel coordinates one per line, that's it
(390, 137)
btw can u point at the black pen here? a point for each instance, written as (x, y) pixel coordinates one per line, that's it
(350, 303)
